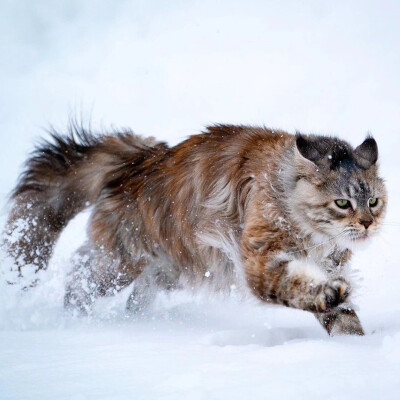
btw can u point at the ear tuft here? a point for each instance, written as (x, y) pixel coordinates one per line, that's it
(367, 153)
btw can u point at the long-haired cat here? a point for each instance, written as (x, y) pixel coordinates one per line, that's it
(275, 213)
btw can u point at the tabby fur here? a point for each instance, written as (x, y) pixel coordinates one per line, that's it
(238, 205)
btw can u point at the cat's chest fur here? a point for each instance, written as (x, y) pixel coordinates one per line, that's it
(329, 258)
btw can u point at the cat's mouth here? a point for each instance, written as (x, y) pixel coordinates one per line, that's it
(360, 237)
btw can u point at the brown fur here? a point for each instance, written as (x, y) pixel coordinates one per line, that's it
(224, 204)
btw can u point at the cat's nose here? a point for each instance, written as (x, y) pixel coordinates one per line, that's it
(366, 223)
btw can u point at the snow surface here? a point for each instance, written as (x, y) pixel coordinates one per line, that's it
(167, 69)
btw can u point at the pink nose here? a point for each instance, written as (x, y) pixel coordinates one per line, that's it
(366, 223)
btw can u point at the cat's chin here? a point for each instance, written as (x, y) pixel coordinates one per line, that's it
(360, 242)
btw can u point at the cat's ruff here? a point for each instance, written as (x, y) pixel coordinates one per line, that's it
(274, 213)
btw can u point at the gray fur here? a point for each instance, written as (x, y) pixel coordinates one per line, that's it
(233, 205)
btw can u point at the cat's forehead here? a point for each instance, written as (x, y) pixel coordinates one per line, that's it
(356, 183)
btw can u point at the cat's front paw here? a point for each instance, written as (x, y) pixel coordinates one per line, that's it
(331, 294)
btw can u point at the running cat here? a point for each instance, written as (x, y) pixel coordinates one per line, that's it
(274, 213)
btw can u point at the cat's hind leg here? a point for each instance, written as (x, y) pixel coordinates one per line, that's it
(142, 296)
(95, 273)
(80, 291)
(158, 275)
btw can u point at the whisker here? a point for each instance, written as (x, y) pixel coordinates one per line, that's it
(321, 244)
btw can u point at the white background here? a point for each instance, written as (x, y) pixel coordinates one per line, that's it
(169, 68)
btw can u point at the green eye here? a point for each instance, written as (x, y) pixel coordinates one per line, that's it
(342, 203)
(373, 201)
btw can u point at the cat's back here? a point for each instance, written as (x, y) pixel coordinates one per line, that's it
(228, 148)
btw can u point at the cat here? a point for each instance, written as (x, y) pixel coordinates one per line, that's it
(273, 213)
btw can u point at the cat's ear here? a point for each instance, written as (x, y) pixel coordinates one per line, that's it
(307, 149)
(367, 152)
(306, 158)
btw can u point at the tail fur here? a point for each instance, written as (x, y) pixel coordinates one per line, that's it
(62, 177)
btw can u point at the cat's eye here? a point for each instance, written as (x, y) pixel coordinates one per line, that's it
(373, 201)
(343, 203)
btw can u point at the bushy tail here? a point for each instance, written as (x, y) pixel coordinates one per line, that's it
(62, 177)
(48, 195)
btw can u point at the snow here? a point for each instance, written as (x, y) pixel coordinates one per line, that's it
(168, 69)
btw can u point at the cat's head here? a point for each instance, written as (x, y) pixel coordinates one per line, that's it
(338, 194)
